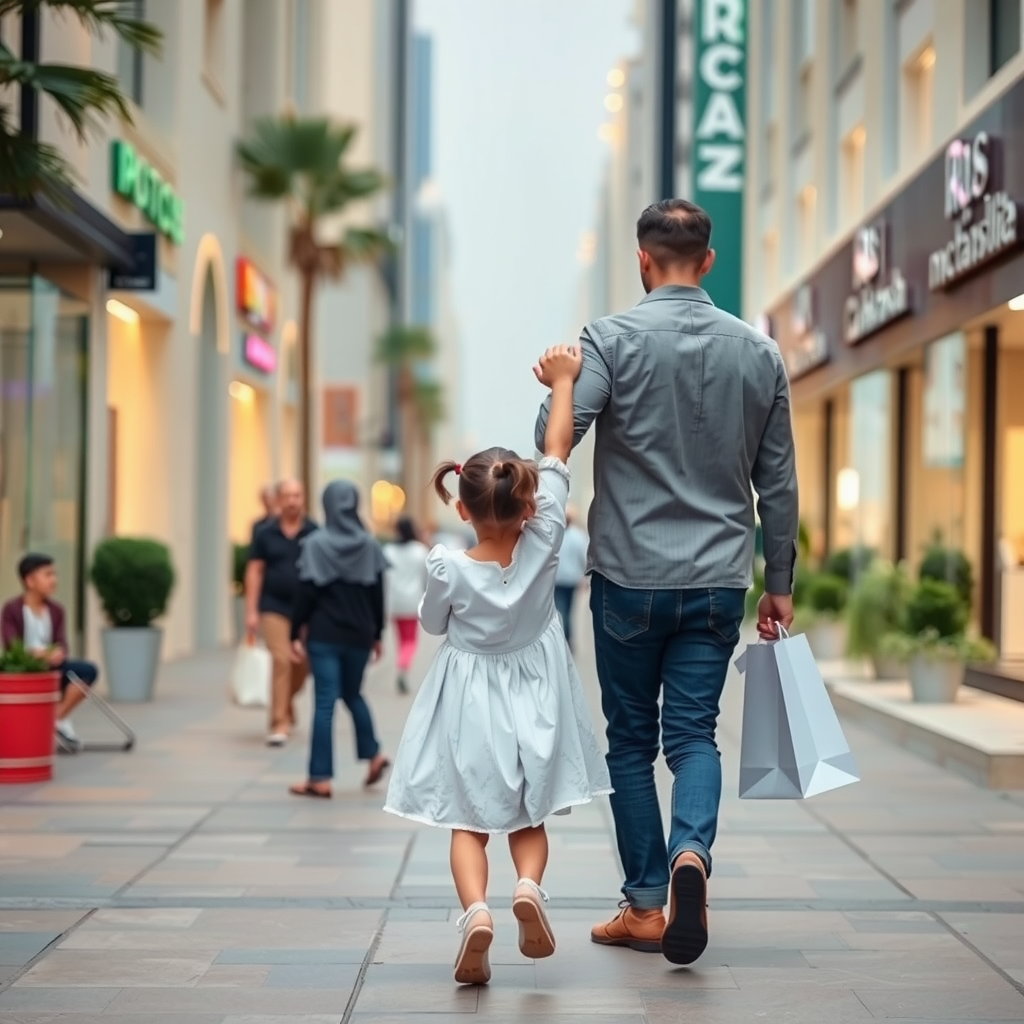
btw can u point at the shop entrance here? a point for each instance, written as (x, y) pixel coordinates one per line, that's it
(43, 353)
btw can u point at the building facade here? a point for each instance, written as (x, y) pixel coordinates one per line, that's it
(885, 168)
(147, 332)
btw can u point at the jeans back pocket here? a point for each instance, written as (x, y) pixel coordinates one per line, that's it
(625, 613)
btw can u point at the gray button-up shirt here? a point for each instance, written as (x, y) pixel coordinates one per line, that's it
(692, 411)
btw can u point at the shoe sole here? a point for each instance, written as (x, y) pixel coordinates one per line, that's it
(638, 945)
(473, 966)
(686, 934)
(536, 942)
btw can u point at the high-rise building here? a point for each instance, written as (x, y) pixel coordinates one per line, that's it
(886, 164)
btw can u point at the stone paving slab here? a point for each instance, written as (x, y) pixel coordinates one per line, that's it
(180, 884)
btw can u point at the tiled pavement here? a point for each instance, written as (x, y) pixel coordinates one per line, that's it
(179, 884)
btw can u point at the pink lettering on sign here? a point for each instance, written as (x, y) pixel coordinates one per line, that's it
(260, 353)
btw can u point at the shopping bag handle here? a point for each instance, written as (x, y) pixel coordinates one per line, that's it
(740, 664)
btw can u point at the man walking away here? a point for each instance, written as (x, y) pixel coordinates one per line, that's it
(692, 410)
(572, 568)
(271, 582)
(268, 499)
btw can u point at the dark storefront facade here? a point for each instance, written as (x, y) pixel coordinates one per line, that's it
(906, 356)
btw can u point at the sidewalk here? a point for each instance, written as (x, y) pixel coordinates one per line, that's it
(180, 884)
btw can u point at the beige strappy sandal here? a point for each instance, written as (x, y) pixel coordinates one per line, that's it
(536, 940)
(473, 965)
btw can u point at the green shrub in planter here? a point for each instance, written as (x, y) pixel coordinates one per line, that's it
(960, 647)
(877, 607)
(239, 561)
(15, 660)
(848, 563)
(937, 607)
(947, 565)
(134, 579)
(826, 595)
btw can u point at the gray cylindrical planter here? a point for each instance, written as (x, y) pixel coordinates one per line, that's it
(827, 640)
(935, 680)
(130, 657)
(889, 668)
(238, 610)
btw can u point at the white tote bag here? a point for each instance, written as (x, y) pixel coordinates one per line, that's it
(792, 745)
(250, 677)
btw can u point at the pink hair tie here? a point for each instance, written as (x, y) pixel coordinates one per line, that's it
(458, 469)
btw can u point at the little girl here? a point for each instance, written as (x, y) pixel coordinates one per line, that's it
(499, 737)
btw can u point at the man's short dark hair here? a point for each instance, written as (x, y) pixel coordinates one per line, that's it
(30, 563)
(674, 231)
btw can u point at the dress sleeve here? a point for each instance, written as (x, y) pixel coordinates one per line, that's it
(436, 606)
(552, 497)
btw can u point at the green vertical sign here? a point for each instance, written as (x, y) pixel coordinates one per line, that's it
(720, 139)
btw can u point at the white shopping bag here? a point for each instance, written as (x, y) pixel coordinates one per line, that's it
(792, 745)
(250, 677)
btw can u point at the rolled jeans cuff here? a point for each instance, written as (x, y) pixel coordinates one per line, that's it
(691, 847)
(647, 899)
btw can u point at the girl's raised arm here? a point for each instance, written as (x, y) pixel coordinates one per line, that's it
(558, 368)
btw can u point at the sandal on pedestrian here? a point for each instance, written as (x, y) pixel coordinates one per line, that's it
(536, 940)
(473, 964)
(308, 789)
(378, 766)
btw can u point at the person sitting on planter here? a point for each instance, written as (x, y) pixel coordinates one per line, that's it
(38, 623)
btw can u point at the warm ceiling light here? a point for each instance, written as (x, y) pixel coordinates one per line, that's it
(243, 392)
(616, 78)
(858, 135)
(613, 102)
(927, 58)
(122, 312)
(1017, 304)
(606, 133)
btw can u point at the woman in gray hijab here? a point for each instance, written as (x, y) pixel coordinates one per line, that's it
(337, 621)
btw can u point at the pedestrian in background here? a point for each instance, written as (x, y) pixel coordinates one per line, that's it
(268, 499)
(572, 570)
(406, 582)
(271, 583)
(337, 621)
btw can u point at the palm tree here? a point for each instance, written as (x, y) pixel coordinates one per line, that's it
(83, 95)
(428, 404)
(301, 162)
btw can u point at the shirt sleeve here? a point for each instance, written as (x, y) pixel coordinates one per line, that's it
(552, 497)
(590, 393)
(257, 552)
(774, 478)
(436, 605)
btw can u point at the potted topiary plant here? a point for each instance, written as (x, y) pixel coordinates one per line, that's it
(848, 563)
(29, 689)
(876, 609)
(239, 562)
(939, 647)
(825, 627)
(134, 578)
(948, 565)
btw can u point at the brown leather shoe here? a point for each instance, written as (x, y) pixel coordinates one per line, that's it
(638, 929)
(686, 931)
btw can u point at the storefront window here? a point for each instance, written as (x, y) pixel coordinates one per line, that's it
(870, 446)
(42, 434)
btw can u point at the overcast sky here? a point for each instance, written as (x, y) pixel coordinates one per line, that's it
(519, 89)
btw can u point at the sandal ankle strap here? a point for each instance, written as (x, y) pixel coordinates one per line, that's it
(531, 884)
(471, 910)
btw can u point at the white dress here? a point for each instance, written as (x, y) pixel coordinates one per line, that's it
(499, 736)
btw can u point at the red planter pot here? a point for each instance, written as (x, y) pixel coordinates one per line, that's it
(28, 706)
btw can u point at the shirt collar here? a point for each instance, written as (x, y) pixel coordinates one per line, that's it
(684, 292)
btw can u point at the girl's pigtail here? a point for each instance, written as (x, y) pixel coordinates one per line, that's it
(438, 480)
(525, 481)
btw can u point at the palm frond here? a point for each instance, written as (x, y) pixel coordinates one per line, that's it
(363, 245)
(79, 92)
(428, 401)
(404, 346)
(97, 16)
(331, 193)
(32, 168)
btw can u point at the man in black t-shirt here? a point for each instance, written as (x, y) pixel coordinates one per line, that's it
(271, 581)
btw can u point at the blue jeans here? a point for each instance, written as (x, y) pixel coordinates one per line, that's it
(85, 670)
(645, 640)
(338, 675)
(563, 605)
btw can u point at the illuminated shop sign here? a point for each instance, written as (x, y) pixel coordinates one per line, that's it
(984, 217)
(880, 294)
(258, 353)
(141, 184)
(255, 295)
(808, 348)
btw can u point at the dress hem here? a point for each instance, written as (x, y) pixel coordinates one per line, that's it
(422, 819)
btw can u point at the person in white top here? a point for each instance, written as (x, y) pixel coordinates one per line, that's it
(572, 570)
(406, 580)
(499, 736)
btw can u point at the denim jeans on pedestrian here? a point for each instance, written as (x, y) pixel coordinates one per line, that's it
(679, 640)
(563, 605)
(338, 675)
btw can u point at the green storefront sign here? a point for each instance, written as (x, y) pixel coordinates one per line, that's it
(720, 139)
(143, 187)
